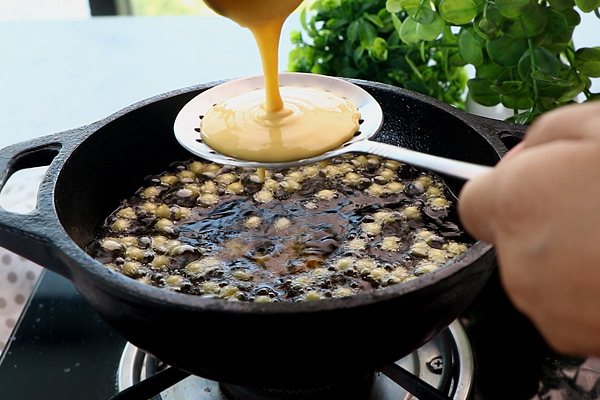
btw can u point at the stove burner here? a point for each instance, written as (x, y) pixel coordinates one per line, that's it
(355, 388)
(445, 365)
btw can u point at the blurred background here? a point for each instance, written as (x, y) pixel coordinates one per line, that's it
(61, 9)
(68, 63)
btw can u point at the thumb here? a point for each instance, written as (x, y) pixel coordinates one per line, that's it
(476, 206)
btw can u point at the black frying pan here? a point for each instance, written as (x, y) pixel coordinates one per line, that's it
(278, 344)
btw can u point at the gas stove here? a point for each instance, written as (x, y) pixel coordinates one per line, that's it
(443, 366)
(61, 349)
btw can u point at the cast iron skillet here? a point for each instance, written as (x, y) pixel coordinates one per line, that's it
(273, 345)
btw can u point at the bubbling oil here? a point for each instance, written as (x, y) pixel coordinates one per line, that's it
(358, 224)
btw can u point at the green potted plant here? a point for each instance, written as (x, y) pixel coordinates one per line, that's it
(521, 50)
(359, 39)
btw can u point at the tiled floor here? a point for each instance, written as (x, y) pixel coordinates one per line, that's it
(17, 280)
(18, 276)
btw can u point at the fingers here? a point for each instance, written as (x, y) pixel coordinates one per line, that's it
(490, 203)
(513, 152)
(476, 205)
(539, 207)
(572, 122)
(480, 196)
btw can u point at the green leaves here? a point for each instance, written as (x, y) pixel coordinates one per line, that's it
(529, 24)
(379, 49)
(420, 11)
(458, 12)
(480, 90)
(366, 33)
(393, 6)
(422, 22)
(391, 41)
(561, 4)
(363, 31)
(408, 31)
(587, 61)
(522, 50)
(545, 62)
(587, 5)
(557, 33)
(517, 102)
(432, 30)
(506, 51)
(413, 32)
(488, 24)
(513, 8)
(471, 47)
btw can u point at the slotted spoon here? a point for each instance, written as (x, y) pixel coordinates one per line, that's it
(187, 127)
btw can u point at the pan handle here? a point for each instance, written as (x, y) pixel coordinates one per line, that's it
(447, 166)
(30, 235)
(509, 133)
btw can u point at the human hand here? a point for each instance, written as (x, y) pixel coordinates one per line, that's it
(540, 207)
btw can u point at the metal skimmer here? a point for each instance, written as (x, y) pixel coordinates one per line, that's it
(187, 126)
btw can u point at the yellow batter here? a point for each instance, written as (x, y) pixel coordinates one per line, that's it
(275, 124)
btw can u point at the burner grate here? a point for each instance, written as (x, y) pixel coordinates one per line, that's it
(440, 370)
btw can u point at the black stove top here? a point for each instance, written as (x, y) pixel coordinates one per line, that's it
(61, 349)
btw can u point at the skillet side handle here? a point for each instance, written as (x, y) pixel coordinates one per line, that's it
(30, 235)
(509, 133)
